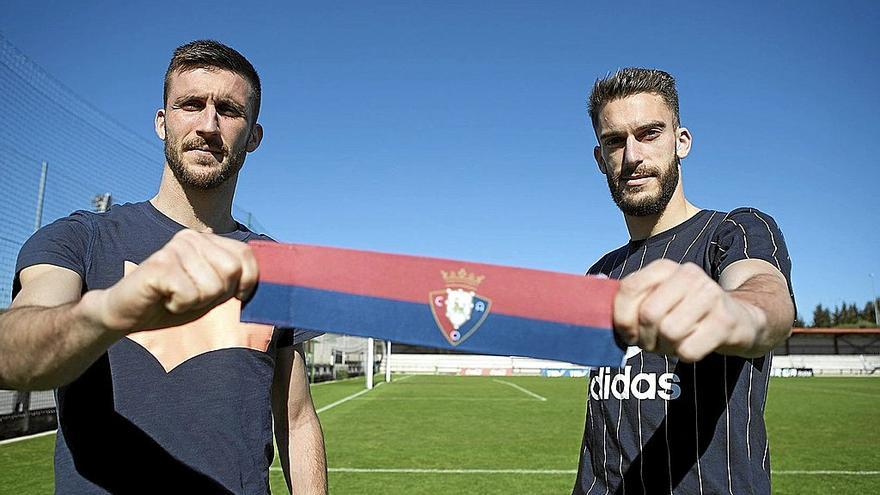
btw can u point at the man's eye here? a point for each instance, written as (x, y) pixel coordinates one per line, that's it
(651, 134)
(191, 105)
(227, 111)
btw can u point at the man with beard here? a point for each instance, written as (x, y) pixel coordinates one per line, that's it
(703, 299)
(132, 315)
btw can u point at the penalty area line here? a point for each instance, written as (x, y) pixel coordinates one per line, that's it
(346, 399)
(521, 389)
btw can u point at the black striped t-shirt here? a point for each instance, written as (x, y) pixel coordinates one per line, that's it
(658, 425)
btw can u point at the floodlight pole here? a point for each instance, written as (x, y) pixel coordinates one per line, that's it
(41, 193)
(23, 398)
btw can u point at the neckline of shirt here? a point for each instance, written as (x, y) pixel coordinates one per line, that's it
(666, 234)
(241, 233)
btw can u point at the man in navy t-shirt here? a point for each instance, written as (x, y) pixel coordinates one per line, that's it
(704, 297)
(133, 316)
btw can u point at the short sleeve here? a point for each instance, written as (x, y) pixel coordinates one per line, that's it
(747, 233)
(65, 242)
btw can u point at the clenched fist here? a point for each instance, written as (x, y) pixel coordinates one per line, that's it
(679, 310)
(181, 282)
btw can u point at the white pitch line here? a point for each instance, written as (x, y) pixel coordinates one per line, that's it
(345, 399)
(452, 399)
(445, 471)
(521, 389)
(328, 382)
(405, 377)
(534, 471)
(19, 439)
(475, 471)
(325, 408)
(333, 381)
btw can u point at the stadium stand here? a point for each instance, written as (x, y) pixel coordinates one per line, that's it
(832, 341)
(829, 351)
(826, 365)
(808, 352)
(480, 365)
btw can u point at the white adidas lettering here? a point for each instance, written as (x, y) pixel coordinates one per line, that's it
(642, 386)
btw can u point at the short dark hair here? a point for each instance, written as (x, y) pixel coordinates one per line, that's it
(210, 54)
(631, 81)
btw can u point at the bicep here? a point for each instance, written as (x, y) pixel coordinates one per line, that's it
(738, 273)
(761, 284)
(290, 384)
(47, 285)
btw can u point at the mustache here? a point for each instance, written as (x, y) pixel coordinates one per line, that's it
(198, 143)
(639, 171)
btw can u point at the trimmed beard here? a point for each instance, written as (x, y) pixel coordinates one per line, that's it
(208, 176)
(652, 205)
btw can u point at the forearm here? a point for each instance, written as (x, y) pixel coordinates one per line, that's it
(45, 347)
(308, 462)
(770, 314)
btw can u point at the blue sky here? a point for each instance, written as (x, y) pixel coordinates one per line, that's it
(458, 129)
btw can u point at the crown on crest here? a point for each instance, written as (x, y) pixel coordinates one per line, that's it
(462, 277)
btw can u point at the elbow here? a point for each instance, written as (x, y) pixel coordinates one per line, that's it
(770, 329)
(785, 321)
(27, 383)
(37, 376)
(20, 383)
(776, 334)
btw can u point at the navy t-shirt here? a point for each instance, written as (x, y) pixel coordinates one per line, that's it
(178, 410)
(658, 425)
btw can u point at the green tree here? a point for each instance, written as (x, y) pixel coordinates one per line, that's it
(821, 317)
(836, 317)
(867, 315)
(849, 314)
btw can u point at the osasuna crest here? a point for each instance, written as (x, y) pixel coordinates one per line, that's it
(458, 309)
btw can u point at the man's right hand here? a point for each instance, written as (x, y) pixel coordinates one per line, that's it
(181, 282)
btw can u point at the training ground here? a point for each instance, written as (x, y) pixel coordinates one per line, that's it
(516, 434)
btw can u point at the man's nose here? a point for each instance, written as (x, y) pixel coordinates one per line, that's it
(633, 154)
(208, 122)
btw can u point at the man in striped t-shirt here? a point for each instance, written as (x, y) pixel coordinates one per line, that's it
(704, 298)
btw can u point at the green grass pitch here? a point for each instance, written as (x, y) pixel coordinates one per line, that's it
(824, 437)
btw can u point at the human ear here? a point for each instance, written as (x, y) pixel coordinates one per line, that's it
(600, 161)
(159, 123)
(255, 138)
(683, 142)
